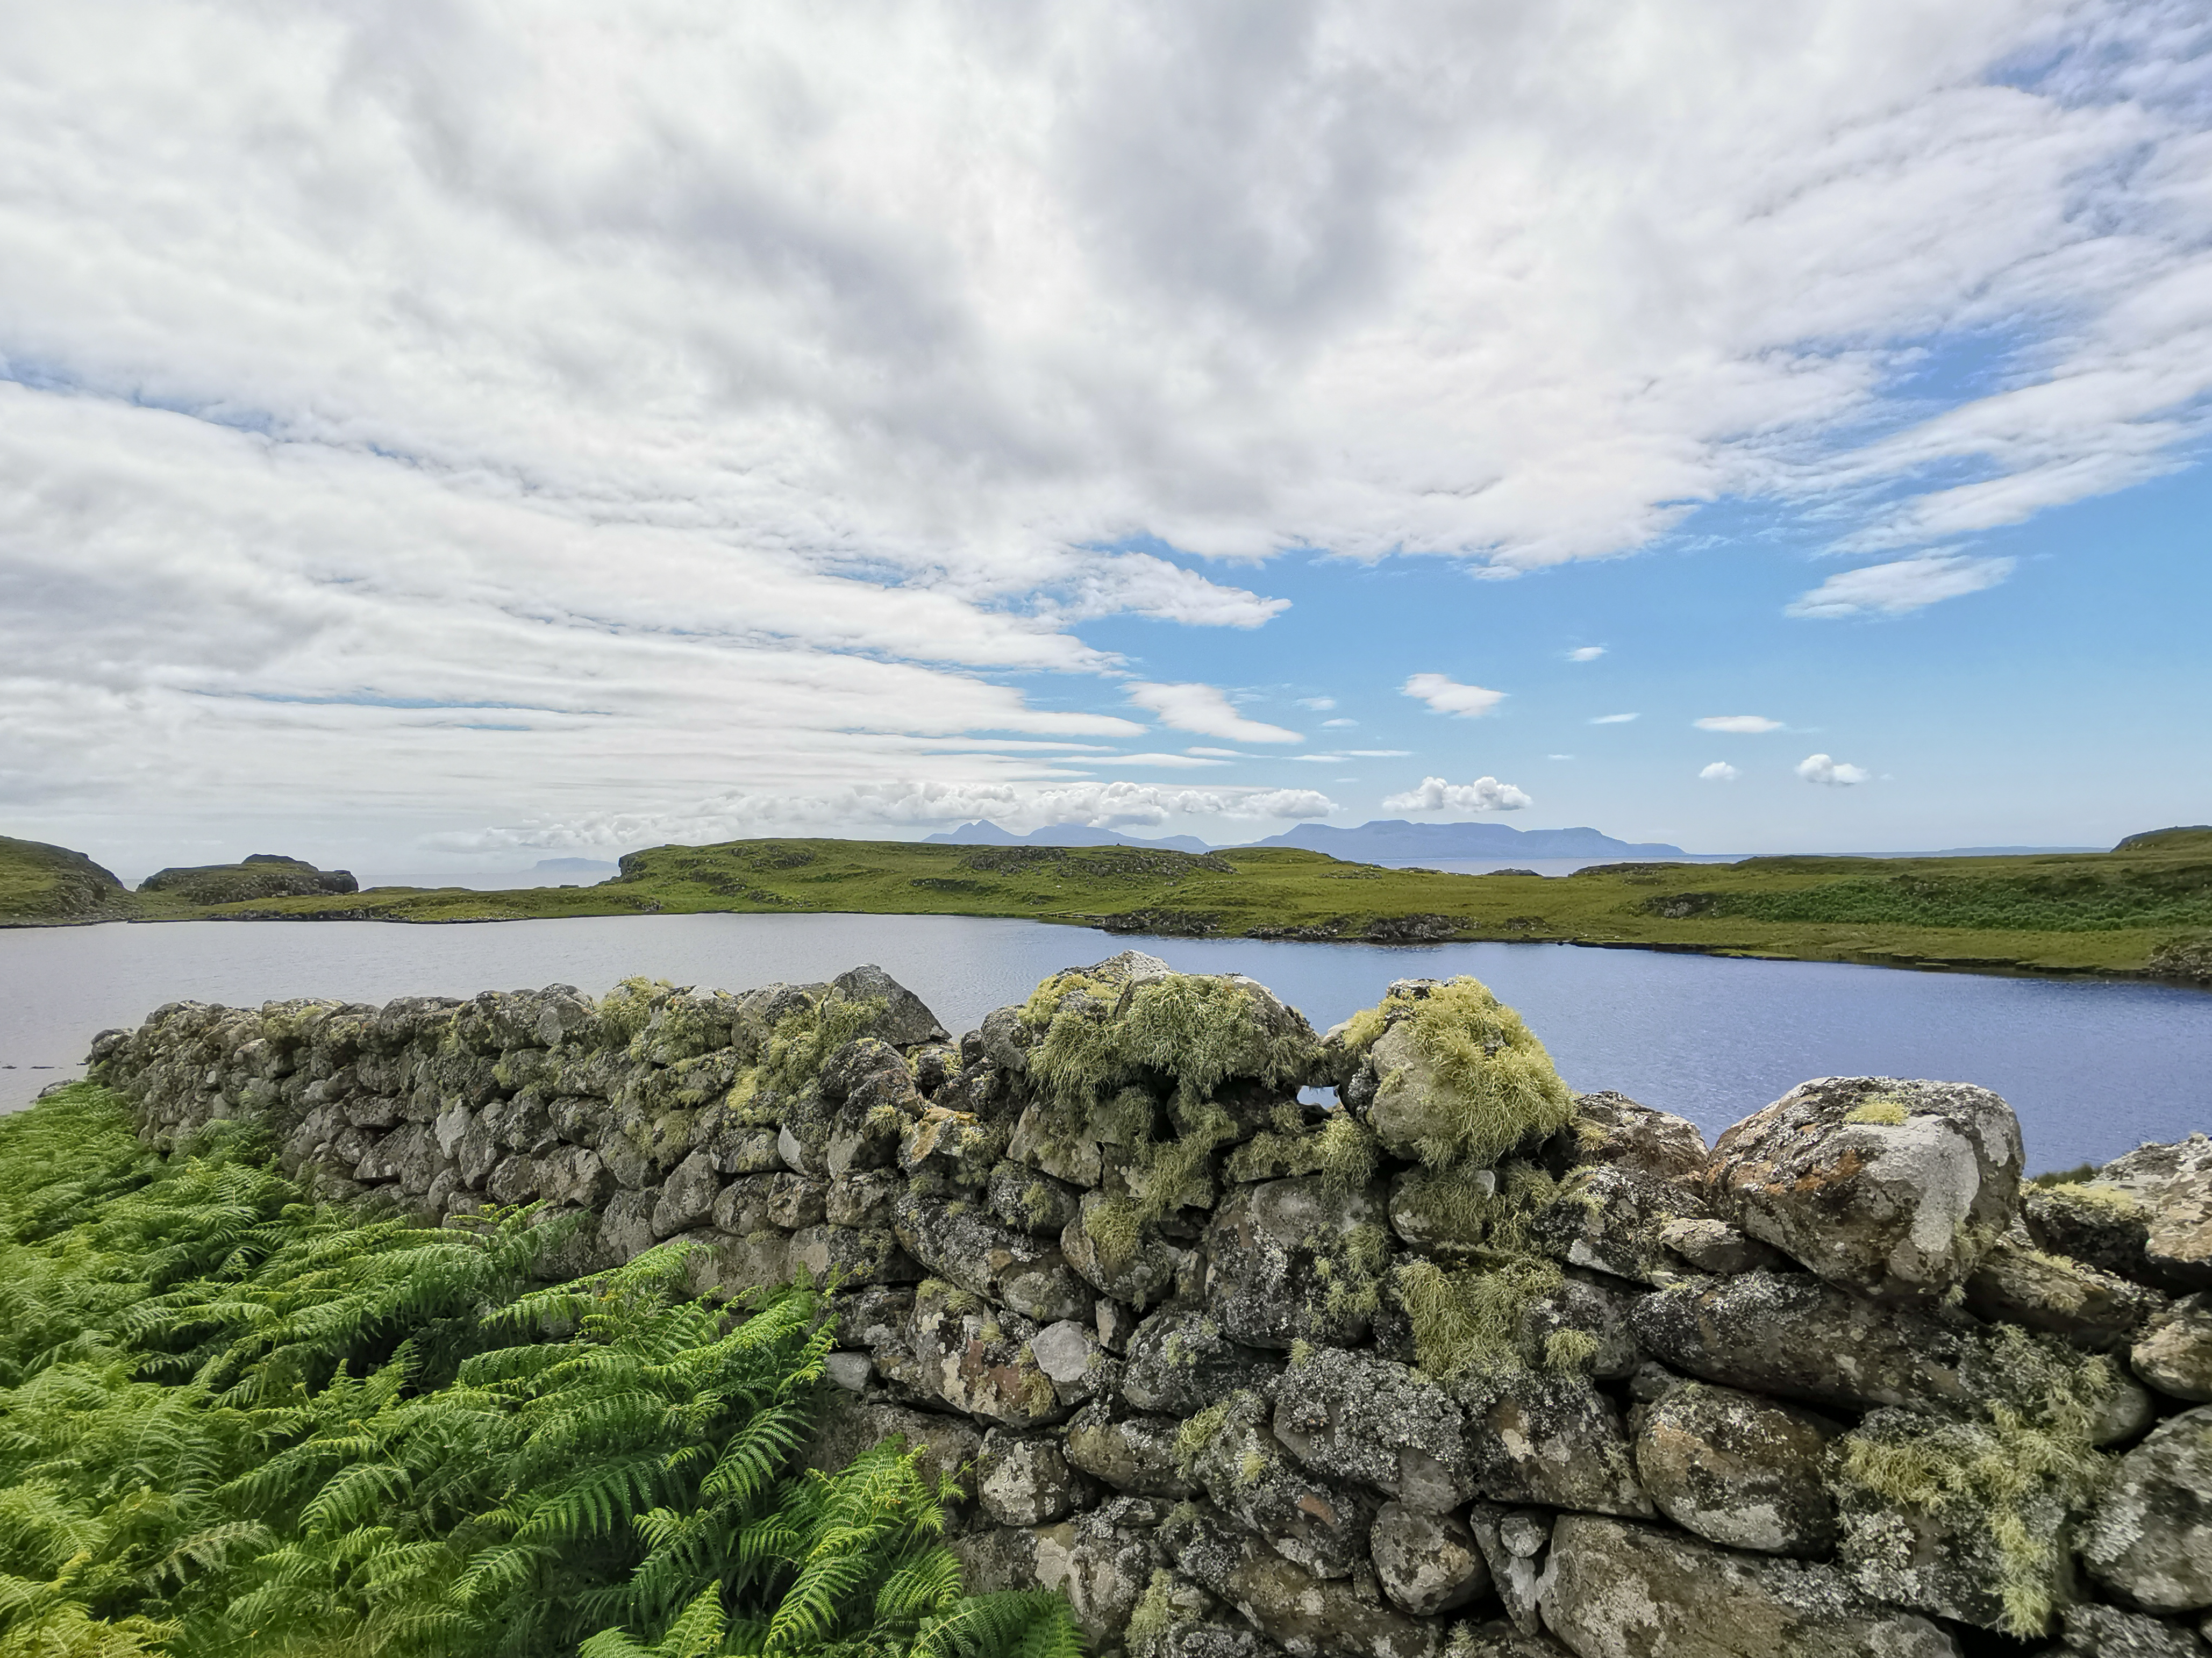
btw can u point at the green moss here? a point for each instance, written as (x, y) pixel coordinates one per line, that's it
(1198, 1030)
(1151, 1617)
(2104, 1202)
(1470, 1321)
(1196, 1434)
(1348, 1152)
(1569, 1352)
(804, 1038)
(1496, 1086)
(2024, 1462)
(625, 1011)
(1885, 1110)
(1115, 1229)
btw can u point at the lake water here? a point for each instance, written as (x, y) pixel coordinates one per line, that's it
(2092, 1068)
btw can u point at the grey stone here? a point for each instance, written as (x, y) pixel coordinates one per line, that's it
(961, 1148)
(851, 1372)
(1022, 1480)
(1609, 1218)
(868, 1200)
(626, 1224)
(2173, 1186)
(1029, 1201)
(1115, 1324)
(1585, 1306)
(1353, 1416)
(851, 1423)
(2018, 1284)
(904, 1022)
(687, 1197)
(1512, 1545)
(1550, 1439)
(1065, 1351)
(1878, 1184)
(1136, 1454)
(849, 1256)
(574, 1174)
(1431, 1213)
(1307, 1617)
(1177, 1619)
(967, 1247)
(1790, 1334)
(1612, 1128)
(1180, 1362)
(1101, 1562)
(1426, 1563)
(1297, 1259)
(1626, 1591)
(975, 1358)
(1739, 1471)
(2094, 1631)
(2175, 1353)
(1006, 1040)
(2150, 1536)
(1717, 1246)
(1106, 1248)
(1316, 1524)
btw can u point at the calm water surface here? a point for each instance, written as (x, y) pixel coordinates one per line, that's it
(2092, 1069)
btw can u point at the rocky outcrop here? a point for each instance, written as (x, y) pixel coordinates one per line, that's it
(260, 875)
(1467, 1365)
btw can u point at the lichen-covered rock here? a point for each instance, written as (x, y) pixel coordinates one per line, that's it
(1316, 1524)
(1027, 1201)
(1499, 1639)
(975, 1358)
(1024, 1479)
(1593, 1315)
(1885, 1187)
(1624, 1591)
(2094, 1631)
(2018, 1284)
(1179, 1362)
(1550, 1439)
(1790, 1334)
(1610, 1218)
(1457, 1077)
(1513, 1543)
(1136, 1454)
(1110, 1249)
(1718, 1246)
(1177, 1619)
(2171, 1187)
(969, 1248)
(846, 1254)
(955, 1147)
(1353, 1416)
(1297, 1259)
(687, 1196)
(2150, 1536)
(1305, 1616)
(1441, 1214)
(904, 1021)
(1057, 1141)
(2175, 1352)
(626, 1224)
(1426, 1562)
(1612, 1128)
(1101, 1562)
(1739, 1471)
(1913, 1540)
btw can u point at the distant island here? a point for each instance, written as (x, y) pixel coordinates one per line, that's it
(2143, 909)
(1385, 839)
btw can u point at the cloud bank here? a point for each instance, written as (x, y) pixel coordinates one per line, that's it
(1483, 794)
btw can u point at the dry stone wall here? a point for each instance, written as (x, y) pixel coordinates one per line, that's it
(1451, 1364)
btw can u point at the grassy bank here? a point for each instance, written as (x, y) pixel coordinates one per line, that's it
(236, 1422)
(2145, 909)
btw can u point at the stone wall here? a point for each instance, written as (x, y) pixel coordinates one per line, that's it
(1451, 1364)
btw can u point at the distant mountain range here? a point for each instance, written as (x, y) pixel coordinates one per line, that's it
(984, 833)
(1396, 838)
(1390, 838)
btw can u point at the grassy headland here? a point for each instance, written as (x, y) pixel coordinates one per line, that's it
(2144, 908)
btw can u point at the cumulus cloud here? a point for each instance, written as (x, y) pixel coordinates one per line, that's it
(1720, 772)
(1820, 769)
(1905, 586)
(1749, 725)
(1444, 696)
(1615, 718)
(1586, 654)
(772, 394)
(1434, 794)
(896, 806)
(1207, 711)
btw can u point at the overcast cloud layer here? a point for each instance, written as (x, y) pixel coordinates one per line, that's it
(573, 425)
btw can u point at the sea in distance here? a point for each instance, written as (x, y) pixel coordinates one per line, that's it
(2093, 1067)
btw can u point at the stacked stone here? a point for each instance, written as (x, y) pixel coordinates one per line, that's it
(1176, 1332)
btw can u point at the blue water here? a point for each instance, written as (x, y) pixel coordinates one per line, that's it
(2092, 1069)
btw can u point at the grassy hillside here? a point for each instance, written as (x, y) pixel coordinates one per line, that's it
(43, 886)
(2087, 912)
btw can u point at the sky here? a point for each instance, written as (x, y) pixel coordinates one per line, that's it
(443, 435)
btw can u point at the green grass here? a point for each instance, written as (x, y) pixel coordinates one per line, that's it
(2096, 913)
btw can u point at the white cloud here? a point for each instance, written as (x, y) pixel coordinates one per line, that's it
(1445, 697)
(716, 394)
(900, 805)
(1219, 754)
(1185, 761)
(1896, 588)
(1742, 723)
(1820, 769)
(1586, 654)
(1318, 704)
(1337, 724)
(1378, 753)
(1434, 794)
(1615, 718)
(1205, 709)
(1558, 756)
(1720, 772)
